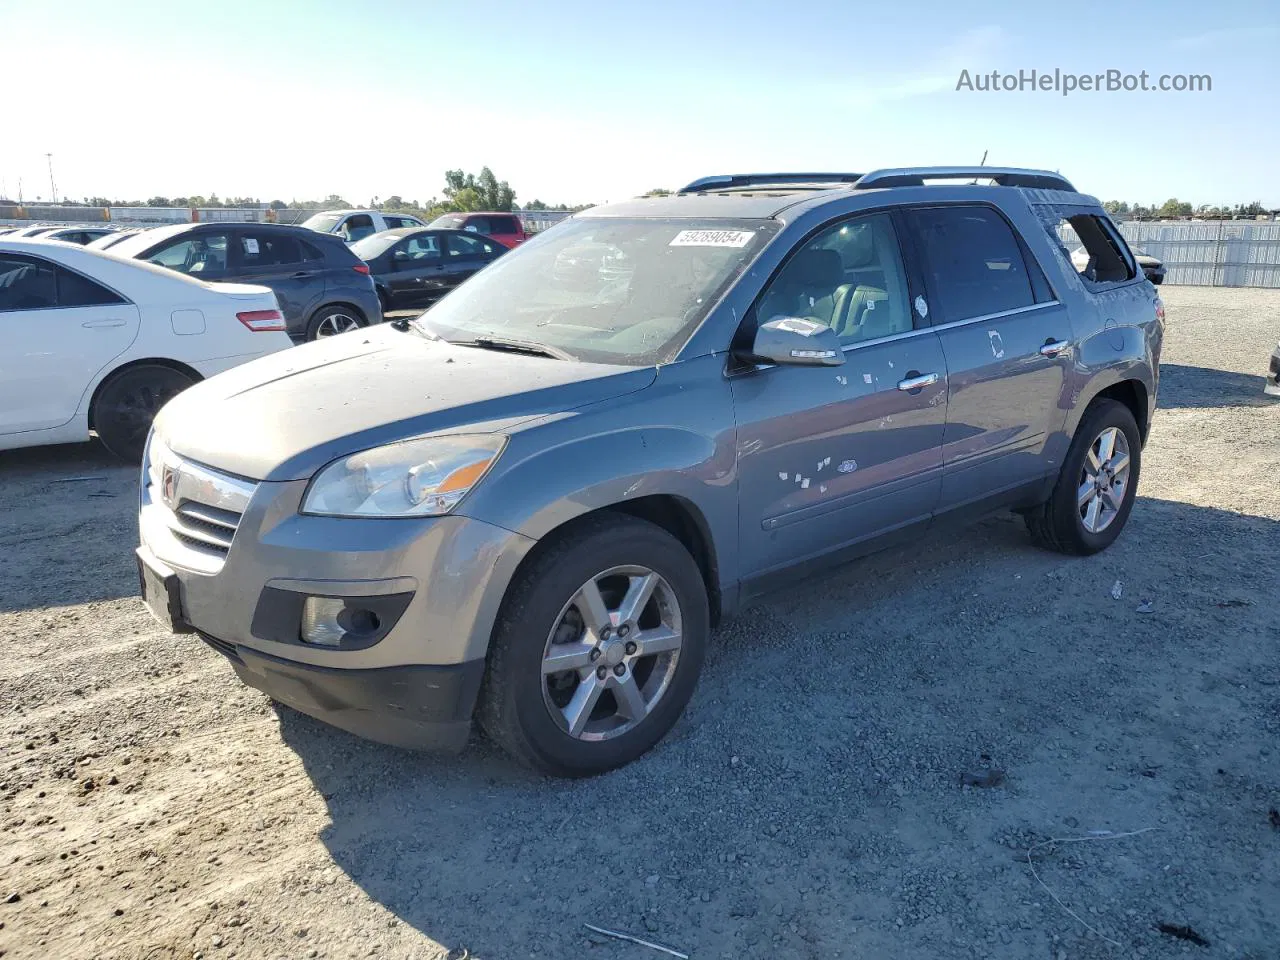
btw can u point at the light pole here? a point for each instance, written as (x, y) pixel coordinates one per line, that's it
(53, 191)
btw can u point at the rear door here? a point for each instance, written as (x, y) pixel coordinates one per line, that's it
(59, 329)
(832, 456)
(1008, 347)
(291, 267)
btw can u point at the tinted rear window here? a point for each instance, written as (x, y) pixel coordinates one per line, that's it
(973, 261)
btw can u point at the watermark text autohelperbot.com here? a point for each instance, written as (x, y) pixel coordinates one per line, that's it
(1065, 84)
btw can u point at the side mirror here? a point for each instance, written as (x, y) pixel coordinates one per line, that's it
(797, 342)
(1155, 276)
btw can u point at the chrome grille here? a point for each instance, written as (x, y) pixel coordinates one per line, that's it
(198, 507)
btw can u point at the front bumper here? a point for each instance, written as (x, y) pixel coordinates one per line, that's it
(437, 584)
(419, 707)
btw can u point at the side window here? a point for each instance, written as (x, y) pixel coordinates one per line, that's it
(461, 245)
(26, 284)
(419, 248)
(310, 252)
(1092, 246)
(503, 225)
(973, 260)
(77, 291)
(204, 255)
(850, 277)
(357, 227)
(267, 249)
(477, 225)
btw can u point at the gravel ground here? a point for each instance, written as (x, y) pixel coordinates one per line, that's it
(816, 800)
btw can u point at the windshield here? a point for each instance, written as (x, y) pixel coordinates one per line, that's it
(604, 290)
(374, 245)
(322, 222)
(450, 220)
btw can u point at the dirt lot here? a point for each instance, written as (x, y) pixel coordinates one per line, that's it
(810, 803)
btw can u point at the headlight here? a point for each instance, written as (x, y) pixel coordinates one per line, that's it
(416, 478)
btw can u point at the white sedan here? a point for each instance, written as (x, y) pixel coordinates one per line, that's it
(97, 343)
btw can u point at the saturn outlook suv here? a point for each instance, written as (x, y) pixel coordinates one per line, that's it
(529, 506)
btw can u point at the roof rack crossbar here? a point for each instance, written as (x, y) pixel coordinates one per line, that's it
(1004, 176)
(729, 181)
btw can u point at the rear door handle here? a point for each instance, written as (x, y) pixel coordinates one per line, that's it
(1052, 348)
(303, 274)
(917, 381)
(97, 324)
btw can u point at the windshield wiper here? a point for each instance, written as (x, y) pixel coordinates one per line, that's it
(517, 346)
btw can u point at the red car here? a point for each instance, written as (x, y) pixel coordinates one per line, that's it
(506, 228)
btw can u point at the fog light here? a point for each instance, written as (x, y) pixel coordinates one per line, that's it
(320, 621)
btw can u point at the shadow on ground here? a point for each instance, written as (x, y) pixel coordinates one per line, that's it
(1184, 386)
(812, 784)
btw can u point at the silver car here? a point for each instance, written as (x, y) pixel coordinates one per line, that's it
(530, 505)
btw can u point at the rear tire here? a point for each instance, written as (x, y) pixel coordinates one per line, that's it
(1089, 506)
(528, 708)
(128, 401)
(333, 320)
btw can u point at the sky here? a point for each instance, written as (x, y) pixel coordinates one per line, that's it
(579, 101)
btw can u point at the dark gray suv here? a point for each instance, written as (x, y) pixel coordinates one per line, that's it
(531, 504)
(322, 287)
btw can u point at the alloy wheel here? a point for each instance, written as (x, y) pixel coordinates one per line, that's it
(335, 324)
(1104, 480)
(612, 653)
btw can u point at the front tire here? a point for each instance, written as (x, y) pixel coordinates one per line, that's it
(1096, 487)
(597, 649)
(127, 403)
(331, 321)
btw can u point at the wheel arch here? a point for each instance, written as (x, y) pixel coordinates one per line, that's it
(677, 515)
(345, 304)
(177, 365)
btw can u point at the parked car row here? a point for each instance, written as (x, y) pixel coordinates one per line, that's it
(98, 343)
(508, 228)
(76, 233)
(323, 288)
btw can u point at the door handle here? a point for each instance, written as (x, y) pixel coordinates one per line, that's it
(917, 381)
(1052, 348)
(97, 324)
(303, 274)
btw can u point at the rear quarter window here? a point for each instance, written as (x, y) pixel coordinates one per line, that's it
(1094, 248)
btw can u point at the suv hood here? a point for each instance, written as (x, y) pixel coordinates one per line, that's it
(288, 414)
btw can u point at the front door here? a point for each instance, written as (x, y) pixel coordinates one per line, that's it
(59, 330)
(830, 456)
(418, 275)
(1008, 348)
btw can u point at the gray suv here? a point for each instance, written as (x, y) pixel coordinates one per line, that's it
(531, 504)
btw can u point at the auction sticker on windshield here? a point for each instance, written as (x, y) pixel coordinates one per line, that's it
(712, 238)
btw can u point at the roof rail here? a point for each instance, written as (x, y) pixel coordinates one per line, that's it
(730, 181)
(1004, 176)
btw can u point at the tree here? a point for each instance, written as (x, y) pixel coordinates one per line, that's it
(1116, 207)
(1173, 207)
(278, 205)
(466, 191)
(1250, 209)
(158, 202)
(658, 192)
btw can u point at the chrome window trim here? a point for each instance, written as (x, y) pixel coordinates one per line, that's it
(949, 326)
